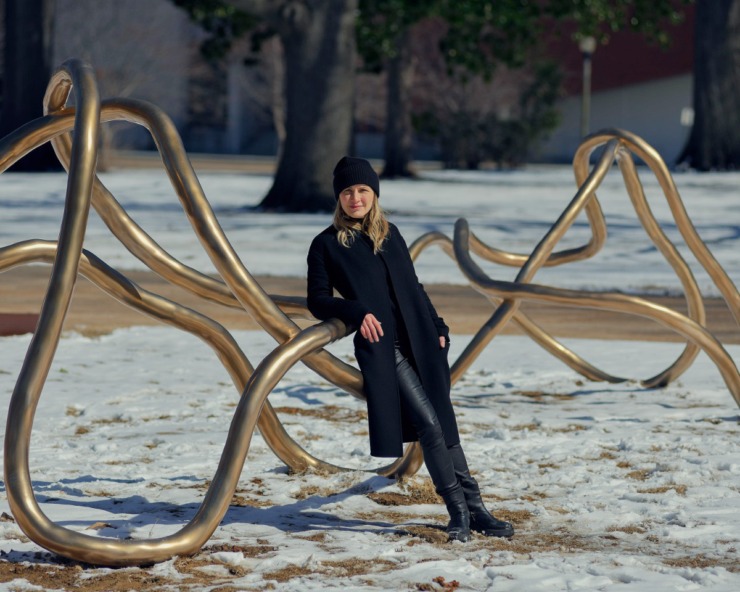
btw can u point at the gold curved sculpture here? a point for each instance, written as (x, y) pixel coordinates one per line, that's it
(238, 288)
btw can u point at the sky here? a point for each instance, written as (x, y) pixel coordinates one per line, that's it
(610, 487)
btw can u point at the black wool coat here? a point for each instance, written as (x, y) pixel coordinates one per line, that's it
(364, 280)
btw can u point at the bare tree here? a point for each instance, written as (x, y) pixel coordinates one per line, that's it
(27, 61)
(262, 83)
(318, 42)
(714, 142)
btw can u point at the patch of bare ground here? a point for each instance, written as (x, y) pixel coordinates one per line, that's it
(530, 427)
(571, 427)
(327, 412)
(195, 573)
(416, 491)
(436, 534)
(628, 528)
(462, 307)
(679, 489)
(524, 426)
(438, 583)
(532, 496)
(701, 561)
(516, 517)
(320, 471)
(393, 517)
(242, 501)
(311, 490)
(605, 455)
(422, 533)
(527, 542)
(345, 568)
(76, 577)
(245, 550)
(639, 474)
(421, 491)
(542, 396)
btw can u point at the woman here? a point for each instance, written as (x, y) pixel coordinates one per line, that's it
(401, 346)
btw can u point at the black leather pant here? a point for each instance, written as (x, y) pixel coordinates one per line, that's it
(423, 417)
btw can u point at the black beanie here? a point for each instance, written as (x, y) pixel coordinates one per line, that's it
(354, 171)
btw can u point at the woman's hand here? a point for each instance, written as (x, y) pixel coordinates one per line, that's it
(442, 342)
(370, 328)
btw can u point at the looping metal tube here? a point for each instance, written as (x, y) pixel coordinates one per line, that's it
(237, 288)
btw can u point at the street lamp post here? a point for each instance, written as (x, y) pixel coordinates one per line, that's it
(587, 45)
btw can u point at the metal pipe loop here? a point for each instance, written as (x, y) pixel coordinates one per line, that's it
(236, 287)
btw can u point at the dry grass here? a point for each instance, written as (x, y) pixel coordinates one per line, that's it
(432, 535)
(345, 568)
(241, 502)
(541, 396)
(438, 583)
(516, 517)
(532, 496)
(417, 491)
(73, 577)
(530, 427)
(391, 517)
(310, 490)
(571, 427)
(245, 550)
(679, 489)
(639, 475)
(195, 573)
(606, 455)
(629, 529)
(117, 419)
(701, 561)
(326, 412)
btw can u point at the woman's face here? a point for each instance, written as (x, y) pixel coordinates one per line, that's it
(357, 200)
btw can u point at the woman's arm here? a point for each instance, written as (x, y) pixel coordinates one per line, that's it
(320, 291)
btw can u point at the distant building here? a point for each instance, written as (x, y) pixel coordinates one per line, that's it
(636, 86)
(149, 49)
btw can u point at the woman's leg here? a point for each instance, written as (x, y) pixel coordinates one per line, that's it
(481, 520)
(436, 456)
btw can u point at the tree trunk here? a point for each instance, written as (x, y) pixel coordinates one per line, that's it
(398, 133)
(714, 143)
(319, 46)
(27, 59)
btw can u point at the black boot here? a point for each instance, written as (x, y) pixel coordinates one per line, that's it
(436, 454)
(481, 520)
(458, 528)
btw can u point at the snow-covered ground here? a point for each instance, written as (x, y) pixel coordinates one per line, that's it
(610, 487)
(507, 210)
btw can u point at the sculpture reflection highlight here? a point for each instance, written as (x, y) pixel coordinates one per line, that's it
(238, 288)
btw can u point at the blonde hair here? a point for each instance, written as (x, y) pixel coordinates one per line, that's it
(374, 225)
